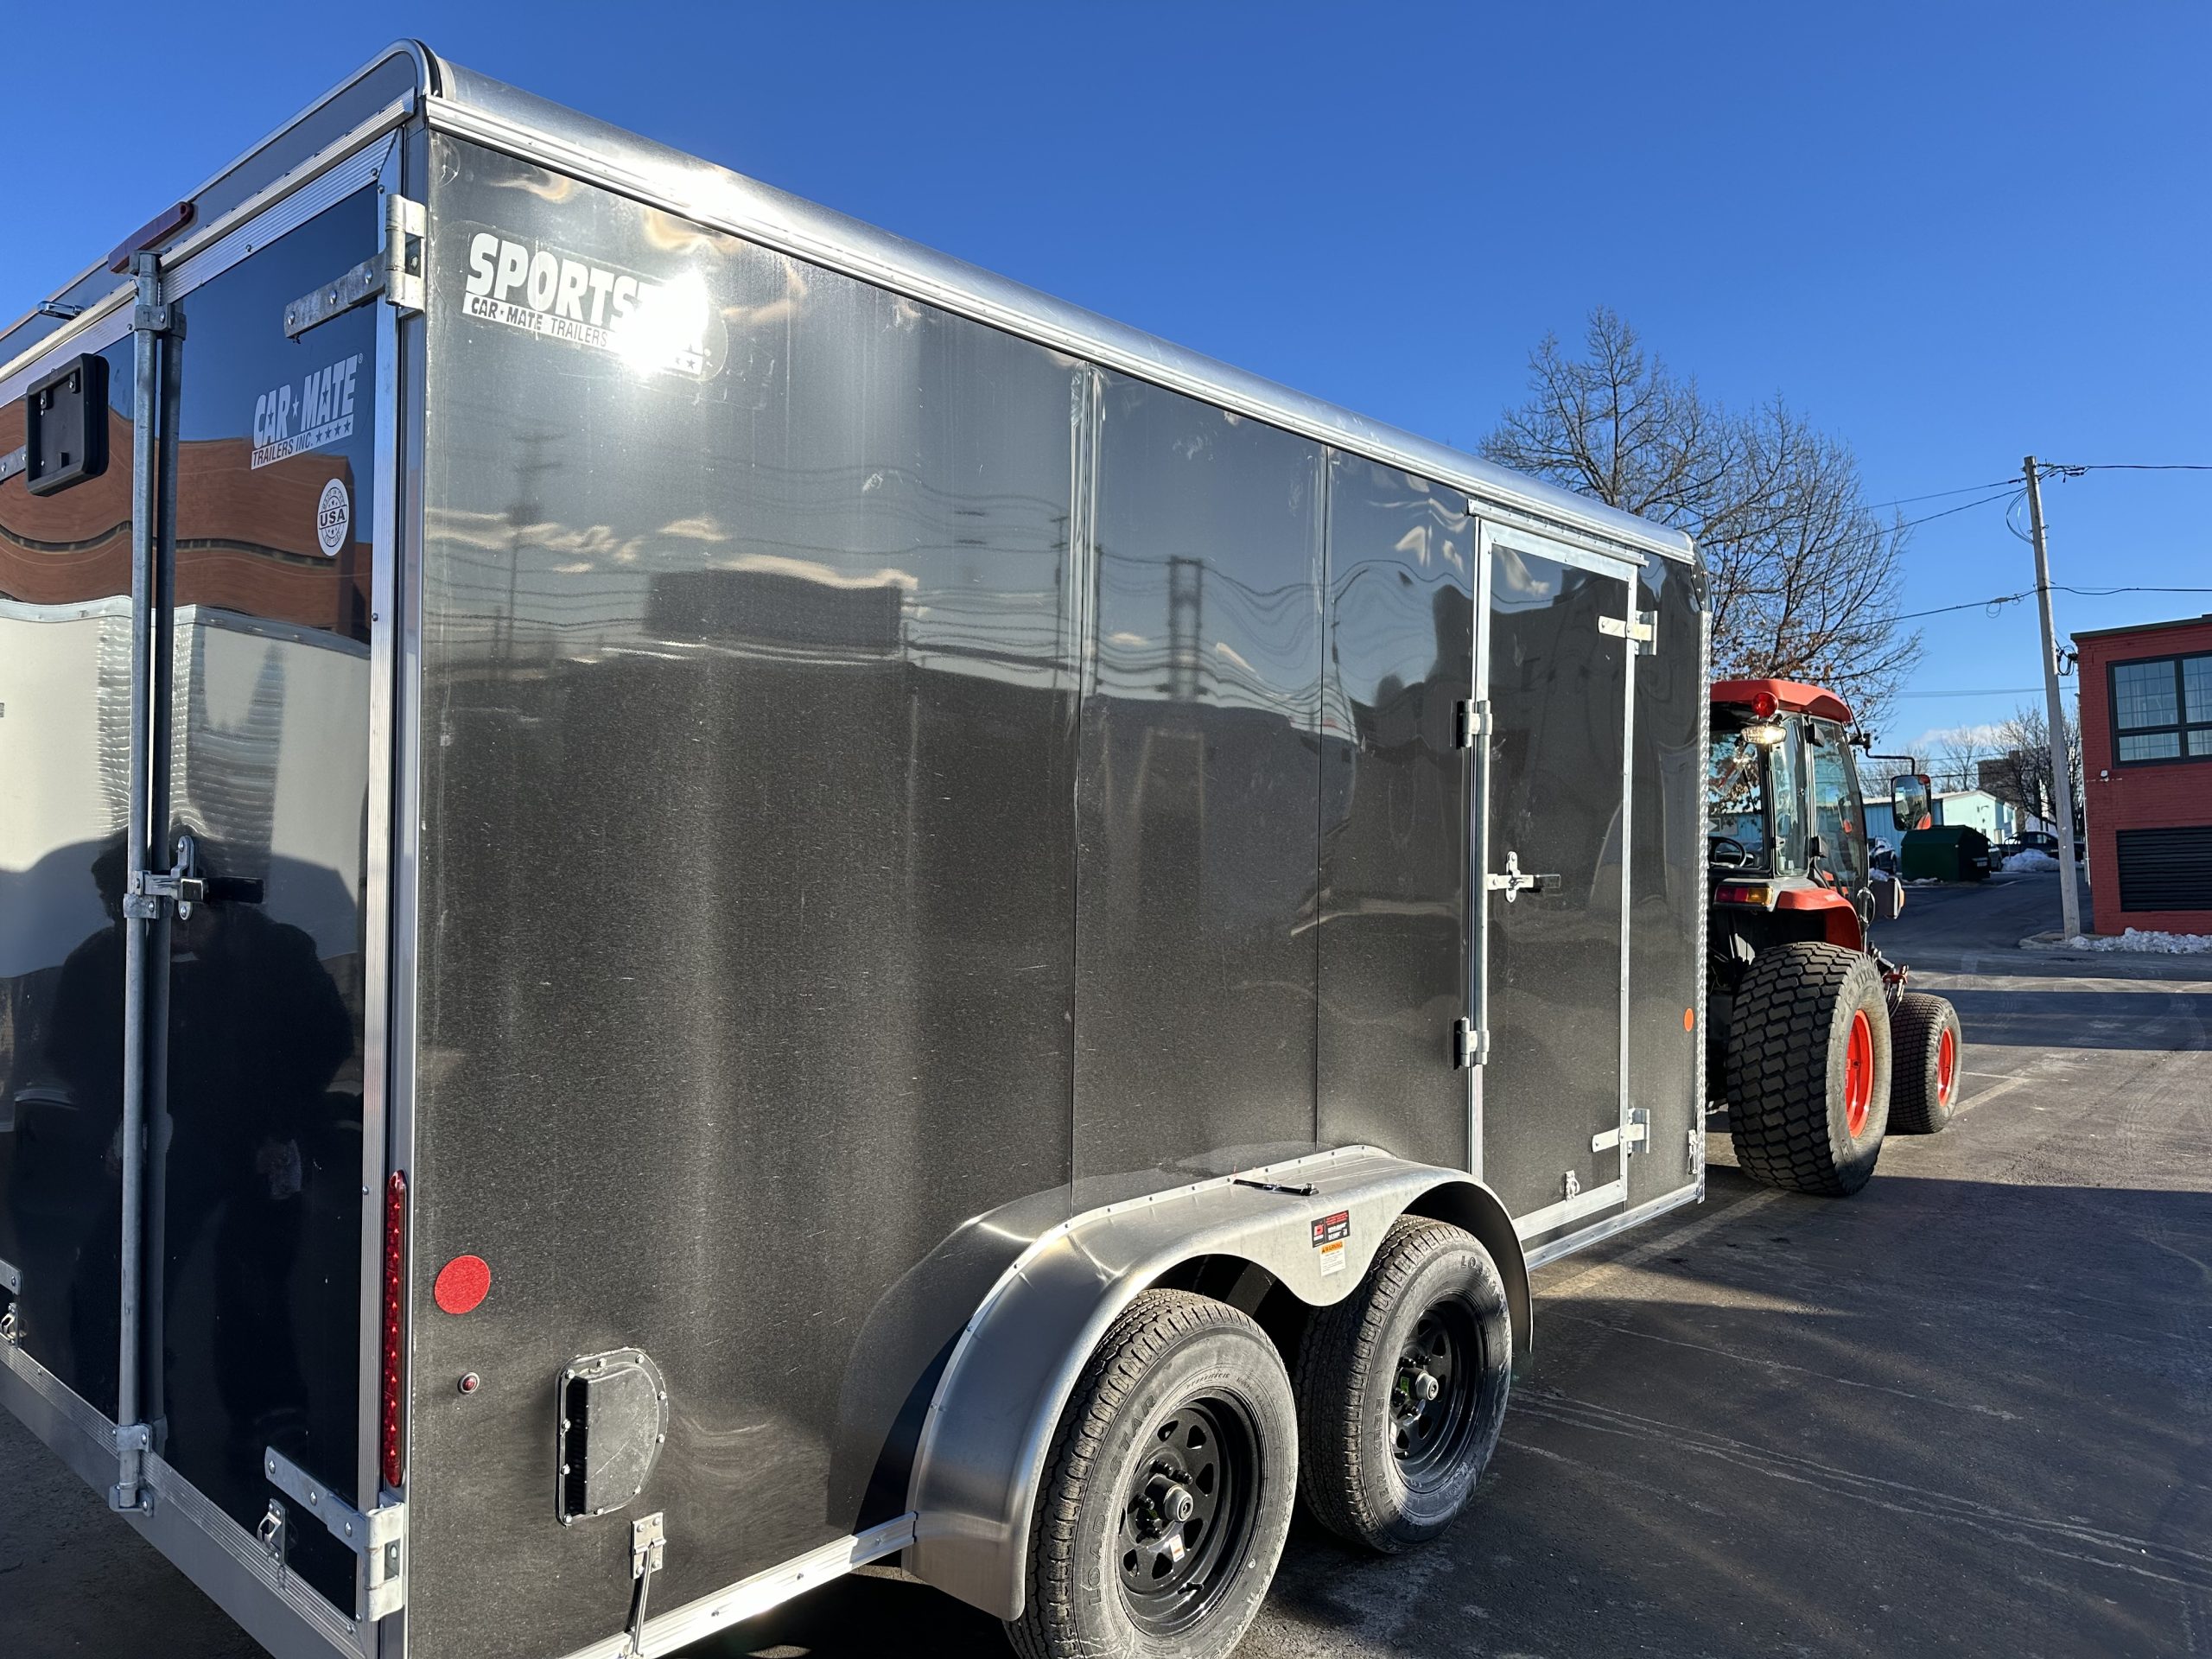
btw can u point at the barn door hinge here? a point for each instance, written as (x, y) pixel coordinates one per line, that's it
(377, 1538)
(394, 271)
(1469, 1045)
(1627, 1137)
(1643, 628)
(1471, 720)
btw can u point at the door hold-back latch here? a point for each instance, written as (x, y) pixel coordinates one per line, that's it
(1514, 883)
(181, 886)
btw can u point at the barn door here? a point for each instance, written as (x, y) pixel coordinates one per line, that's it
(1554, 659)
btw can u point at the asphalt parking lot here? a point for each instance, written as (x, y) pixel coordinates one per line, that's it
(1968, 1411)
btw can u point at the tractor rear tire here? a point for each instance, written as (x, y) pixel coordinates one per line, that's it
(1808, 1069)
(1930, 1055)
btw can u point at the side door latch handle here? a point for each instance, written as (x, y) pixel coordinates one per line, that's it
(1514, 882)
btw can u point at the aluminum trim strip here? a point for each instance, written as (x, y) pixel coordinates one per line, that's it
(245, 1580)
(71, 1408)
(1704, 912)
(331, 175)
(749, 1598)
(356, 160)
(70, 1428)
(537, 129)
(1620, 563)
(425, 80)
(1566, 1210)
(1692, 1193)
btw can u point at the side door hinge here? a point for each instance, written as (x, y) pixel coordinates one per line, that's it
(1627, 1137)
(1642, 627)
(395, 270)
(377, 1539)
(1469, 1045)
(1471, 720)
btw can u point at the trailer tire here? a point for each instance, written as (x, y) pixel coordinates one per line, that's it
(1809, 1068)
(1182, 1427)
(1375, 1467)
(1930, 1055)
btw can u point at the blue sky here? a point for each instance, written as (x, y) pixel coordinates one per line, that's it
(1951, 233)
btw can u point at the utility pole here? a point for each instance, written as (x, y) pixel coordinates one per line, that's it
(2061, 766)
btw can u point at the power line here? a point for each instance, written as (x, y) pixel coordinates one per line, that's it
(2068, 470)
(1937, 495)
(2056, 588)
(1964, 507)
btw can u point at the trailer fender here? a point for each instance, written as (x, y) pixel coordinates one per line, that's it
(1313, 1223)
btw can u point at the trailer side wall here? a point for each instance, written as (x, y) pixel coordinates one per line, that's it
(875, 772)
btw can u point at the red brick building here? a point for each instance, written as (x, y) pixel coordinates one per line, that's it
(2147, 757)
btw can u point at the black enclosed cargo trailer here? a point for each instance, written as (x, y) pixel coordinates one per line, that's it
(670, 870)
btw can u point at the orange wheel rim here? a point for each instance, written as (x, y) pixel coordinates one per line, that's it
(1946, 1065)
(1859, 1074)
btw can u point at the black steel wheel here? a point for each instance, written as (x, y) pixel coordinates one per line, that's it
(1401, 1388)
(1187, 1514)
(1169, 1490)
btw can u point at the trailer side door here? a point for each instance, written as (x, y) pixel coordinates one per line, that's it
(1553, 672)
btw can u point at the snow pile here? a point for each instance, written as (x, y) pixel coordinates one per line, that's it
(2171, 944)
(2030, 858)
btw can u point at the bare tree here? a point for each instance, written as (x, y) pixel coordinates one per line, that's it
(2020, 771)
(1806, 581)
(1957, 761)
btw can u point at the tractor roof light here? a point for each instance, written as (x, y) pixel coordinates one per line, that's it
(1764, 705)
(1765, 734)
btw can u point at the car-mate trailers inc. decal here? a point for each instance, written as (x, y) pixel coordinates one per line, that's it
(290, 420)
(667, 325)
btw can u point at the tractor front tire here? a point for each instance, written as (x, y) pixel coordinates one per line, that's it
(1930, 1054)
(1808, 1069)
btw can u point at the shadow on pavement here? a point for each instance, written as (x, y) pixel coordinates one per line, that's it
(2162, 1020)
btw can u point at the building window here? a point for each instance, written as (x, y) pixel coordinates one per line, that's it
(2162, 709)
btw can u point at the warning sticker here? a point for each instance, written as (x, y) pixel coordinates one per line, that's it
(1330, 1235)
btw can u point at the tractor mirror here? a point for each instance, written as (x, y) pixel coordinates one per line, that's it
(1909, 801)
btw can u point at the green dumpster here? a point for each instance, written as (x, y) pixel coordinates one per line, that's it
(1949, 852)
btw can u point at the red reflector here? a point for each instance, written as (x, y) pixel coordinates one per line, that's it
(156, 231)
(462, 1284)
(395, 1301)
(1763, 705)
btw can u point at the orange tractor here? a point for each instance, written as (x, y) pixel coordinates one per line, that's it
(1813, 1042)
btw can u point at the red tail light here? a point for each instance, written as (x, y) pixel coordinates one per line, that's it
(394, 1401)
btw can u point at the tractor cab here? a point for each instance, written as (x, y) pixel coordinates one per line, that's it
(1788, 848)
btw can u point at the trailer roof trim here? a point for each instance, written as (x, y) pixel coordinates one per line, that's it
(490, 112)
(477, 106)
